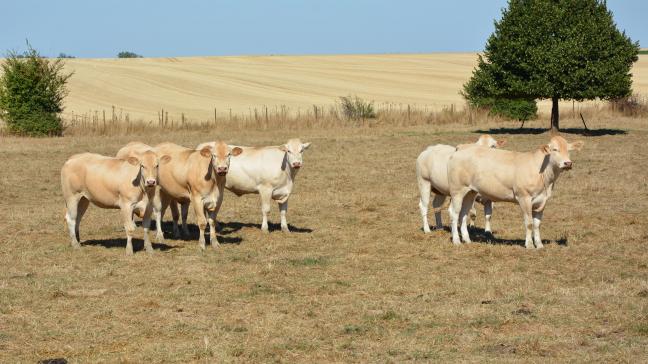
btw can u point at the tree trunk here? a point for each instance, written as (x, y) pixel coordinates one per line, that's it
(555, 120)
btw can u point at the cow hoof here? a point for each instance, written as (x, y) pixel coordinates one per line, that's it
(76, 246)
(215, 246)
(129, 252)
(456, 243)
(285, 230)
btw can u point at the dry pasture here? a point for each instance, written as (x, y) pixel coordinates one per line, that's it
(357, 281)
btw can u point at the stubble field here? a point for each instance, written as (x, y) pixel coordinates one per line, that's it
(196, 86)
(357, 280)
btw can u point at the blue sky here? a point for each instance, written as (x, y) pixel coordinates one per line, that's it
(85, 28)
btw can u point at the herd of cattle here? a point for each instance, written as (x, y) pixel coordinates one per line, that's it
(145, 181)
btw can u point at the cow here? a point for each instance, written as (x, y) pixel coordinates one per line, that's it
(137, 149)
(499, 175)
(196, 176)
(110, 183)
(270, 172)
(432, 177)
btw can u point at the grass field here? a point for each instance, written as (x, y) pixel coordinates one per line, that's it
(196, 85)
(357, 281)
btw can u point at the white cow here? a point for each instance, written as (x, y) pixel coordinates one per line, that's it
(268, 171)
(500, 175)
(432, 177)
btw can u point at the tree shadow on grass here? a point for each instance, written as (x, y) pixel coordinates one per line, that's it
(479, 235)
(575, 131)
(138, 244)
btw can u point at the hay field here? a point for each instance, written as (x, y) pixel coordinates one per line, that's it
(197, 85)
(357, 281)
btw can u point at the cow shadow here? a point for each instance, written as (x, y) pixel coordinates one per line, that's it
(138, 244)
(230, 227)
(574, 131)
(479, 235)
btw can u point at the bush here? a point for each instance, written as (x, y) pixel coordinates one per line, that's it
(354, 108)
(517, 109)
(126, 54)
(32, 89)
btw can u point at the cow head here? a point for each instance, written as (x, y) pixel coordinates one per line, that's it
(148, 163)
(295, 152)
(488, 141)
(558, 151)
(220, 156)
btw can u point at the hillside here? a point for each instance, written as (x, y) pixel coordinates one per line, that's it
(197, 85)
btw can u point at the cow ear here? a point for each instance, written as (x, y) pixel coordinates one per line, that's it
(577, 145)
(500, 143)
(205, 152)
(283, 148)
(132, 160)
(236, 151)
(545, 149)
(165, 159)
(305, 146)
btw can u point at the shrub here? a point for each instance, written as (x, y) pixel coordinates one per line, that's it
(127, 54)
(518, 109)
(354, 108)
(32, 89)
(64, 55)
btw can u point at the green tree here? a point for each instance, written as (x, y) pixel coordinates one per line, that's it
(32, 89)
(127, 54)
(554, 49)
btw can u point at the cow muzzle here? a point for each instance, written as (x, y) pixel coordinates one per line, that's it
(567, 165)
(221, 171)
(151, 182)
(296, 165)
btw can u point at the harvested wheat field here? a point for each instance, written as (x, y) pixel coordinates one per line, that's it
(357, 280)
(196, 86)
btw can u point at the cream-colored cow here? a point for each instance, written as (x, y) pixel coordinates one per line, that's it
(432, 177)
(196, 176)
(499, 175)
(137, 149)
(268, 171)
(110, 183)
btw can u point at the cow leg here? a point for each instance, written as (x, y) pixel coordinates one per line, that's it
(199, 210)
(488, 212)
(146, 224)
(537, 220)
(266, 199)
(437, 202)
(129, 226)
(175, 216)
(72, 208)
(211, 219)
(157, 215)
(425, 189)
(283, 209)
(82, 207)
(184, 210)
(525, 205)
(466, 206)
(472, 216)
(456, 203)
